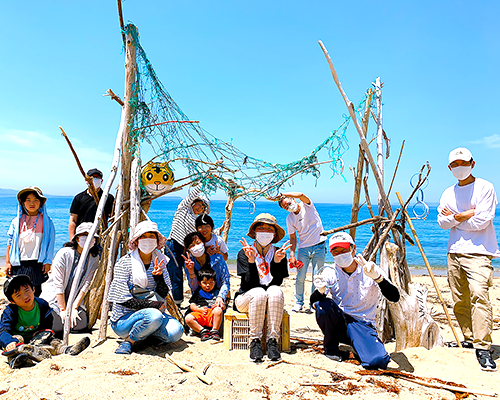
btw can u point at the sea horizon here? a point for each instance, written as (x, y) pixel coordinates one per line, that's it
(433, 239)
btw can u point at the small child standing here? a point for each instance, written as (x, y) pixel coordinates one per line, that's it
(31, 237)
(28, 319)
(205, 318)
(213, 243)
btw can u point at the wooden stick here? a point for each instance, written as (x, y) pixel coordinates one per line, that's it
(114, 97)
(396, 169)
(363, 222)
(449, 387)
(184, 367)
(363, 142)
(319, 384)
(87, 178)
(120, 17)
(431, 274)
(384, 235)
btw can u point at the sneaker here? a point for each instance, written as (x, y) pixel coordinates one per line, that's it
(79, 346)
(124, 347)
(214, 334)
(205, 335)
(272, 350)
(337, 356)
(485, 360)
(297, 307)
(19, 361)
(36, 353)
(256, 353)
(466, 345)
(42, 337)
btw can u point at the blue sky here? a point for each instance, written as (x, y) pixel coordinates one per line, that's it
(253, 72)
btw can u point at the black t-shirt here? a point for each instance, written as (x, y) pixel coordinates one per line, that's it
(85, 206)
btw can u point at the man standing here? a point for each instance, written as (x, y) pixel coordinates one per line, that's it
(349, 315)
(83, 208)
(467, 209)
(305, 222)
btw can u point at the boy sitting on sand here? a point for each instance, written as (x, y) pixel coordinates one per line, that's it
(205, 318)
(28, 319)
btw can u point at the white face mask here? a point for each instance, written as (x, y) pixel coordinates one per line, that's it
(83, 239)
(147, 245)
(344, 260)
(198, 250)
(293, 207)
(264, 238)
(97, 183)
(461, 172)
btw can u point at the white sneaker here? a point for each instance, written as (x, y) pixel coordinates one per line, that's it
(297, 307)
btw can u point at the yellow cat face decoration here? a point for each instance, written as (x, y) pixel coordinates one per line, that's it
(157, 178)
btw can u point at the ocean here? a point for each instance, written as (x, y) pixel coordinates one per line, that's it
(434, 240)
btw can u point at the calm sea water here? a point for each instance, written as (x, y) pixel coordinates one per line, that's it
(434, 239)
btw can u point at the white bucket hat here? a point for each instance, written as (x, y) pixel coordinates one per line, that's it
(142, 228)
(85, 227)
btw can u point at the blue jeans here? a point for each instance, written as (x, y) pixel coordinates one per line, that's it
(339, 327)
(314, 255)
(138, 325)
(175, 269)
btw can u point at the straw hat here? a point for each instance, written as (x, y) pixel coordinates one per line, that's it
(33, 189)
(142, 228)
(270, 220)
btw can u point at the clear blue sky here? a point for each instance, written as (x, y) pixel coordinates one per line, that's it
(253, 72)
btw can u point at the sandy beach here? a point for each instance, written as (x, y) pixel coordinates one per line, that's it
(100, 374)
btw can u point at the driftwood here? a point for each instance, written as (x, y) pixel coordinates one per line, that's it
(431, 274)
(413, 323)
(184, 367)
(359, 223)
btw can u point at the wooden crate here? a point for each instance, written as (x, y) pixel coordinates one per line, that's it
(237, 332)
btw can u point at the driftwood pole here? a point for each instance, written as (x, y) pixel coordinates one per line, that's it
(359, 168)
(86, 248)
(364, 146)
(431, 274)
(380, 138)
(125, 145)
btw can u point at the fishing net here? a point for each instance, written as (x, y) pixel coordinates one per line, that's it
(215, 164)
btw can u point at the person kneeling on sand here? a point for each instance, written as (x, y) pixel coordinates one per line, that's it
(349, 315)
(205, 316)
(27, 319)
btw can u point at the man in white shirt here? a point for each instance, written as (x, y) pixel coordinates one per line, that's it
(467, 209)
(348, 316)
(304, 222)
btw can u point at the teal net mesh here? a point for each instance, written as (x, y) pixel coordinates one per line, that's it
(216, 164)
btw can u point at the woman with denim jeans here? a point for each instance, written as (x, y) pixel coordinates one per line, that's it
(143, 270)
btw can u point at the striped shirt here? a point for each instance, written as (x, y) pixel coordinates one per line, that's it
(122, 284)
(184, 219)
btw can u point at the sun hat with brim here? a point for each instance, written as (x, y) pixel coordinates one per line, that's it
(460, 153)
(85, 227)
(143, 227)
(12, 284)
(269, 219)
(33, 189)
(340, 239)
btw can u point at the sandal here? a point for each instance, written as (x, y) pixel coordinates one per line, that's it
(214, 334)
(205, 335)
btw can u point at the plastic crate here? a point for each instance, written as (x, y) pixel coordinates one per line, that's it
(237, 332)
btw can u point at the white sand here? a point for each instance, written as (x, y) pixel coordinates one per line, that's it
(92, 375)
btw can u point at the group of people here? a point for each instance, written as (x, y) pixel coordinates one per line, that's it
(344, 296)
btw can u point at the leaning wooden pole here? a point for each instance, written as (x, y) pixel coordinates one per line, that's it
(81, 263)
(426, 262)
(380, 138)
(364, 144)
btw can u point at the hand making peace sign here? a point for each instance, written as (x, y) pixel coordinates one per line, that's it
(281, 252)
(157, 267)
(249, 251)
(188, 263)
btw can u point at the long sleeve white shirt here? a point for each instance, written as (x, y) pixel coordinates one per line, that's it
(475, 235)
